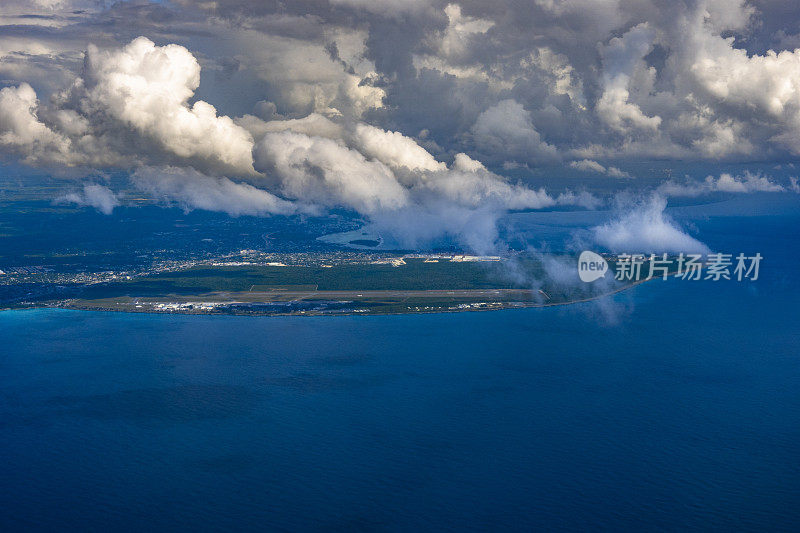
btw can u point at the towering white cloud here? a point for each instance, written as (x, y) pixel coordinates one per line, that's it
(763, 87)
(21, 130)
(129, 105)
(148, 87)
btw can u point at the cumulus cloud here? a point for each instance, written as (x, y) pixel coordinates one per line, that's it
(465, 163)
(148, 87)
(510, 82)
(129, 105)
(588, 165)
(362, 105)
(456, 39)
(748, 182)
(317, 68)
(325, 171)
(506, 131)
(401, 187)
(194, 190)
(394, 149)
(623, 61)
(752, 85)
(614, 172)
(478, 187)
(312, 124)
(22, 131)
(93, 195)
(646, 228)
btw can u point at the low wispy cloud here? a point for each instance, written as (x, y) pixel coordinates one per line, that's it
(93, 195)
(645, 228)
(191, 189)
(746, 183)
(589, 165)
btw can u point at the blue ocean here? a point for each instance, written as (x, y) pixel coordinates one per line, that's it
(671, 406)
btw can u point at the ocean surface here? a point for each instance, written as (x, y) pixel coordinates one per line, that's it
(672, 406)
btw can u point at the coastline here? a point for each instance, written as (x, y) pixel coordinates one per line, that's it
(255, 312)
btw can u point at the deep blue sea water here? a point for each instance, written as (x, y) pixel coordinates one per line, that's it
(672, 406)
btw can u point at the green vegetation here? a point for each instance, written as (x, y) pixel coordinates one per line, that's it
(398, 286)
(414, 275)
